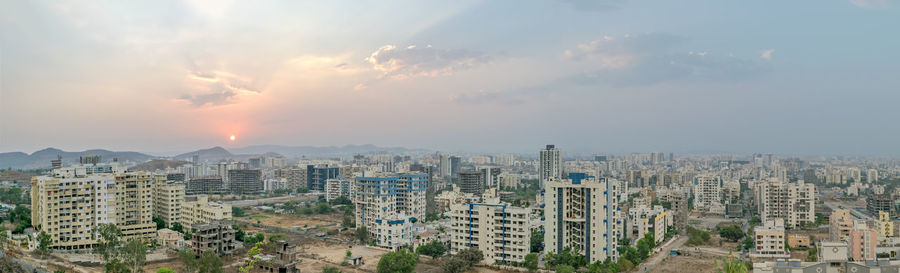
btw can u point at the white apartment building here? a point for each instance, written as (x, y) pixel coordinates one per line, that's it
(707, 191)
(501, 231)
(336, 188)
(71, 203)
(644, 219)
(770, 240)
(582, 213)
(509, 180)
(550, 163)
(199, 210)
(795, 203)
(389, 206)
(167, 199)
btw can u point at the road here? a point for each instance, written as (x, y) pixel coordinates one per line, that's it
(658, 257)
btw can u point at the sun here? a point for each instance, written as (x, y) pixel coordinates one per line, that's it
(231, 138)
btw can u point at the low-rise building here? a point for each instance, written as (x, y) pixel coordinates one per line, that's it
(169, 238)
(642, 220)
(770, 240)
(215, 236)
(284, 260)
(797, 240)
(199, 210)
(884, 224)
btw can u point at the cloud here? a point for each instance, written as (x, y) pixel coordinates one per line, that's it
(216, 88)
(767, 54)
(872, 3)
(413, 61)
(615, 62)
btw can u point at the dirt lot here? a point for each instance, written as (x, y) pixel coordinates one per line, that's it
(677, 264)
(289, 220)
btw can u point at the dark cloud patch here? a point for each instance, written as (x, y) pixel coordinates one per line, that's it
(220, 95)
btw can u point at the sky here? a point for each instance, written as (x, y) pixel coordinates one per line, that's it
(604, 76)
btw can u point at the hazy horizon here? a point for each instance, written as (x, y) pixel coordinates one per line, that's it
(608, 76)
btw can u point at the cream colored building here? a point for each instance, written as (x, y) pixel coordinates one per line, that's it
(202, 211)
(70, 204)
(707, 191)
(509, 180)
(582, 214)
(840, 225)
(168, 198)
(501, 231)
(770, 239)
(884, 225)
(793, 202)
(644, 219)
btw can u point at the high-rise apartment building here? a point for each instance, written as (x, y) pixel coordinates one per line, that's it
(862, 241)
(471, 182)
(582, 214)
(199, 210)
(167, 199)
(490, 176)
(336, 188)
(501, 231)
(707, 191)
(840, 224)
(550, 163)
(318, 175)
(71, 203)
(205, 185)
(449, 166)
(386, 205)
(509, 180)
(880, 202)
(871, 176)
(793, 202)
(245, 181)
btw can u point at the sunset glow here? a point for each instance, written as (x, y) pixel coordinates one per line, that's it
(231, 138)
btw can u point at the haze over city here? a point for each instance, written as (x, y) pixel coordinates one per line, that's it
(796, 77)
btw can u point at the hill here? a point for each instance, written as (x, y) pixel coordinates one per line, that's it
(41, 159)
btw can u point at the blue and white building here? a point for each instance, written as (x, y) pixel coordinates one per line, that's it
(582, 213)
(501, 231)
(390, 206)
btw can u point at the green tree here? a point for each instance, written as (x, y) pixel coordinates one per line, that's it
(398, 262)
(531, 262)
(210, 262)
(160, 224)
(731, 233)
(454, 265)
(238, 233)
(3, 237)
(537, 241)
(362, 234)
(116, 266)
(134, 255)
(165, 270)
(108, 242)
(237, 212)
(258, 237)
(472, 256)
(731, 265)
(624, 265)
(568, 257)
(188, 260)
(177, 227)
(44, 241)
(347, 221)
(432, 249)
(252, 258)
(564, 268)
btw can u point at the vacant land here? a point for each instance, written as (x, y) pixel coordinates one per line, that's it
(290, 220)
(676, 264)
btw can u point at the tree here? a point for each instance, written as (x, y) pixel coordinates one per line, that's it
(237, 212)
(537, 241)
(3, 237)
(238, 233)
(432, 249)
(471, 256)
(531, 262)
(731, 233)
(624, 265)
(564, 268)
(258, 237)
(165, 270)
(731, 265)
(347, 221)
(160, 224)
(210, 262)
(116, 266)
(190, 262)
(108, 242)
(362, 234)
(177, 227)
(302, 190)
(454, 265)
(398, 261)
(44, 241)
(134, 255)
(253, 258)
(569, 257)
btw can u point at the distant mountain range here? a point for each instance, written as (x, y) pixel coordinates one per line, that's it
(42, 158)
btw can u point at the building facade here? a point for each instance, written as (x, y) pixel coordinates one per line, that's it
(317, 176)
(707, 191)
(793, 202)
(471, 182)
(167, 199)
(770, 240)
(199, 210)
(501, 231)
(583, 214)
(389, 206)
(245, 181)
(550, 163)
(336, 188)
(862, 241)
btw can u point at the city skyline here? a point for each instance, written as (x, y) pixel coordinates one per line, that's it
(805, 78)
